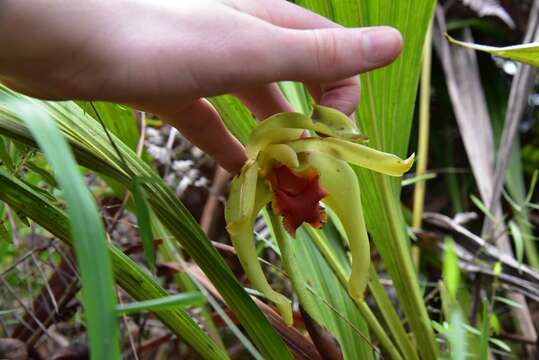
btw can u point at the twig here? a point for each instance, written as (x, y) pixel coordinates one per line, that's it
(46, 282)
(517, 338)
(220, 179)
(129, 335)
(68, 258)
(153, 343)
(23, 258)
(21, 304)
(62, 291)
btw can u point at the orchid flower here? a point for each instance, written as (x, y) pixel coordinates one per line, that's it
(295, 173)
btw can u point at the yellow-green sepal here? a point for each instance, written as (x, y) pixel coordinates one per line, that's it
(241, 198)
(340, 181)
(241, 235)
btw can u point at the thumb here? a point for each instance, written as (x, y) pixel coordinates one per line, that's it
(322, 55)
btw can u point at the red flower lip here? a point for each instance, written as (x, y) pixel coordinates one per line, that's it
(296, 197)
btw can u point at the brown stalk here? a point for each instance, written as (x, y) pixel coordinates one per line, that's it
(220, 180)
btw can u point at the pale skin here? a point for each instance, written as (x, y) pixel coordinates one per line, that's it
(165, 56)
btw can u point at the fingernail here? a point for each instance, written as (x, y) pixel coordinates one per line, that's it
(380, 44)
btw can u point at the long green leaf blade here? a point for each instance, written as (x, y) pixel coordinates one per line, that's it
(98, 295)
(525, 53)
(183, 300)
(144, 225)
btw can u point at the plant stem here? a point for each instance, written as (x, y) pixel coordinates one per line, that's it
(423, 142)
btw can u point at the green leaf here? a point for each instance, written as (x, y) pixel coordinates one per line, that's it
(451, 272)
(4, 233)
(516, 195)
(296, 95)
(533, 183)
(119, 119)
(415, 179)
(482, 207)
(497, 268)
(500, 344)
(485, 333)
(495, 323)
(517, 240)
(144, 225)
(5, 157)
(457, 335)
(44, 174)
(183, 300)
(533, 206)
(507, 301)
(98, 292)
(525, 53)
(22, 218)
(231, 111)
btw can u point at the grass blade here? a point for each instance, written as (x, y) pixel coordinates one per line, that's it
(98, 295)
(518, 240)
(183, 300)
(118, 119)
(144, 225)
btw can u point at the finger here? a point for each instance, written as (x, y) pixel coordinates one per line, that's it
(342, 95)
(264, 101)
(328, 55)
(318, 56)
(201, 124)
(283, 13)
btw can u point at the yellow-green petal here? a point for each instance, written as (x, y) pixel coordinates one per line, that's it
(280, 153)
(261, 139)
(331, 122)
(356, 154)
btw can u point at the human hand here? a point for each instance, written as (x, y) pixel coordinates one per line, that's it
(165, 56)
